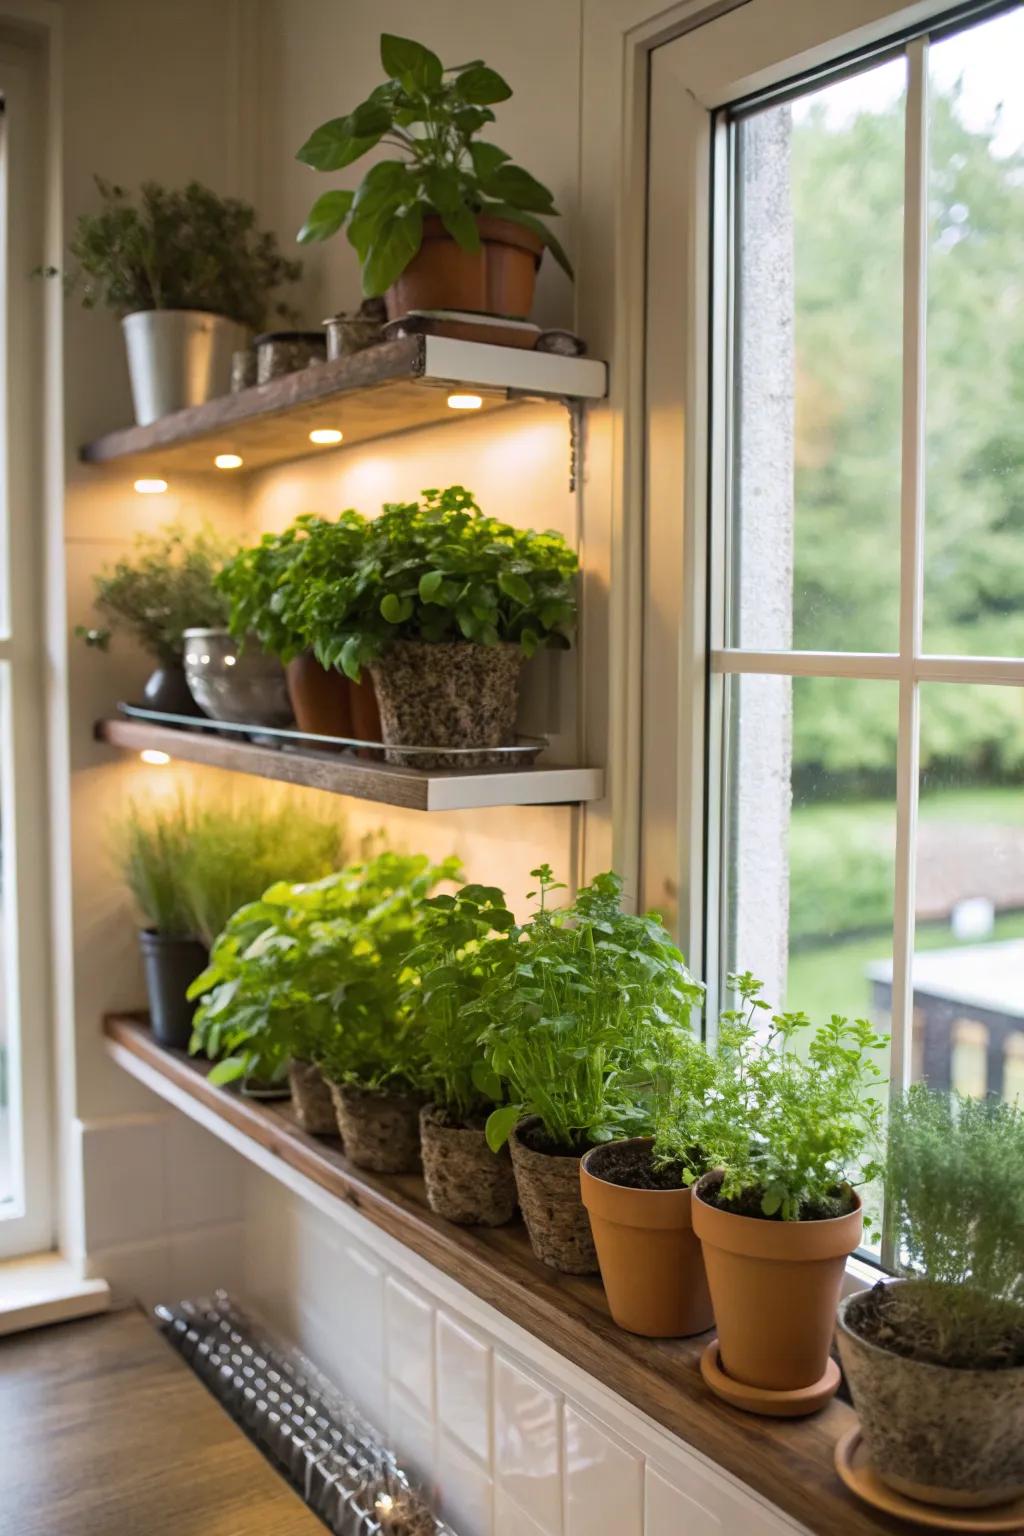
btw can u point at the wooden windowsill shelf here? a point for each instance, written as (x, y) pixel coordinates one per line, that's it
(790, 1462)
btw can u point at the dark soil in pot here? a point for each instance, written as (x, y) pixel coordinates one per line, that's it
(628, 1164)
(947, 1435)
(381, 1131)
(311, 1099)
(453, 694)
(171, 966)
(466, 1182)
(548, 1184)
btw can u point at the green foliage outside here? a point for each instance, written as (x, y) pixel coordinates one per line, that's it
(431, 114)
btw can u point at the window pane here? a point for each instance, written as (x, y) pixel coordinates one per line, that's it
(969, 952)
(811, 833)
(10, 1190)
(817, 368)
(974, 541)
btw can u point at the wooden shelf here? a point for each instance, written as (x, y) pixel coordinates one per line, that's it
(344, 774)
(392, 387)
(788, 1461)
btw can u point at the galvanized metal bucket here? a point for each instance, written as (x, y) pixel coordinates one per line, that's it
(178, 357)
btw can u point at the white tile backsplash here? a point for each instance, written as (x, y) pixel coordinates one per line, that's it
(604, 1485)
(464, 1387)
(510, 1520)
(409, 1342)
(668, 1511)
(119, 1160)
(412, 1436)
(527, 1444)
(202, 1178)
(465, 1492)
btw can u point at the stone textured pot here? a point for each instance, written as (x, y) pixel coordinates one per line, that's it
(774, 1289)
(311, 1099)
(245, 687)
(651, 1262)
(167, 690)
(381, 1131)
(453, 694)
(171, 966)
(549, 1198)
(498, 279)
(466, 1182)
(281, 352)
(945, 1436)
(178, 357)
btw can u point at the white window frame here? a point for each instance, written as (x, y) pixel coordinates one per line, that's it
(23, 698)
(687, 663)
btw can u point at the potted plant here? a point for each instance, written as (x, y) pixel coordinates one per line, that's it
(789, 1133)
(167, 584)
(447, 221)
(442, 607)
(465, 1181)
(191, 277)
(935, 1360)
(574, 1024)
(639, 1198)
(275, 589)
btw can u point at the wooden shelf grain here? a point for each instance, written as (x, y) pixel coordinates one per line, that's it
(789, 1462)
(343, 774)
(393, 387)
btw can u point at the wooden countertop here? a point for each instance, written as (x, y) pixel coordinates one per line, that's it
(790, 1462)
(104, 1431)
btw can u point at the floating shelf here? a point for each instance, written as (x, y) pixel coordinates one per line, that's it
(391, 387)
(344, 774)
(789, 1461)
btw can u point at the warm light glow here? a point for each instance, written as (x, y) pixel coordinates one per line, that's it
(151, 487)
(229, 461)
(384, 1504)
(465, 402)
(229, 661)
(154, 758)
(326, 435)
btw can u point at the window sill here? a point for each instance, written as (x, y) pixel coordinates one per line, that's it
(45, 1288)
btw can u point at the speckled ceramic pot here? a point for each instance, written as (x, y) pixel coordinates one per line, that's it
(381, 1131)
(311, 1099)
(552, 1207)
(454, 694)
(281, 352)
(465, 1181)
(945, 1436)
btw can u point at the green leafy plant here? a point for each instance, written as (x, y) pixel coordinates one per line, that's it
(187, 249)
(451, 967)
(151, 847)
(438, 570)
(795, 1117)
(167, 585)
(583, 1005)
(954, 1184)
(432, 115)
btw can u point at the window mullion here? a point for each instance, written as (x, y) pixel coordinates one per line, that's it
(915, 259)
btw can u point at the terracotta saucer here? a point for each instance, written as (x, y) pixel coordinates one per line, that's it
(792, 1404)
(855, 1469)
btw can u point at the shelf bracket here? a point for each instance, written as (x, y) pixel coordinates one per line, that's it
(575, 405)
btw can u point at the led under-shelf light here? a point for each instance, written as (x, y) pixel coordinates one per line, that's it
(229, 461)
(324, 435)
(459, 402)
(155, 758)
(151, 487)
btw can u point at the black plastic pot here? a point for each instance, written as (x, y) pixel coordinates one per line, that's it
(172, 965)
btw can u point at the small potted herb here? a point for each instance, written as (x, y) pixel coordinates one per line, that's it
(574, 1025)
(447, 221)
(166, 585)
(935, 1360)
(465, 1181)
(789, 1133)
(639, 1198)
(442, 608)
(191, 277)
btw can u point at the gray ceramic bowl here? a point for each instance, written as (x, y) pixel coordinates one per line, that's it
(243, 687)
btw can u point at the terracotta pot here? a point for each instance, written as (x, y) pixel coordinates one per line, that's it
(320, 698)
(549, 1197)
(774, 1288)
(933, 1432)
(381, 1131)
(311, 1099)
(651, 1262)
(454, 694)
(365, 714)
(466, 1182)
(498, 279)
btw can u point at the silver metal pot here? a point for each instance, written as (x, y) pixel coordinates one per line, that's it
(244, 687)
(178, 357)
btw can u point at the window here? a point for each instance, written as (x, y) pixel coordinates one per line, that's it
(835, 390)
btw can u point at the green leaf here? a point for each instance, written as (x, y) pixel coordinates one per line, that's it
(485, 1080)
(463, 228)
(334, 145)
(410, 63)
(518, 216)
(228, 1071)
(370, 118)
(515, 587)
(469, 120)
(513, 185)
(392, 250)
(500, 1125)
(486, 159)
(396, 609)
(351, 658)
(481, 86)
(443, 188)
(430, 585)
(326, 216)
